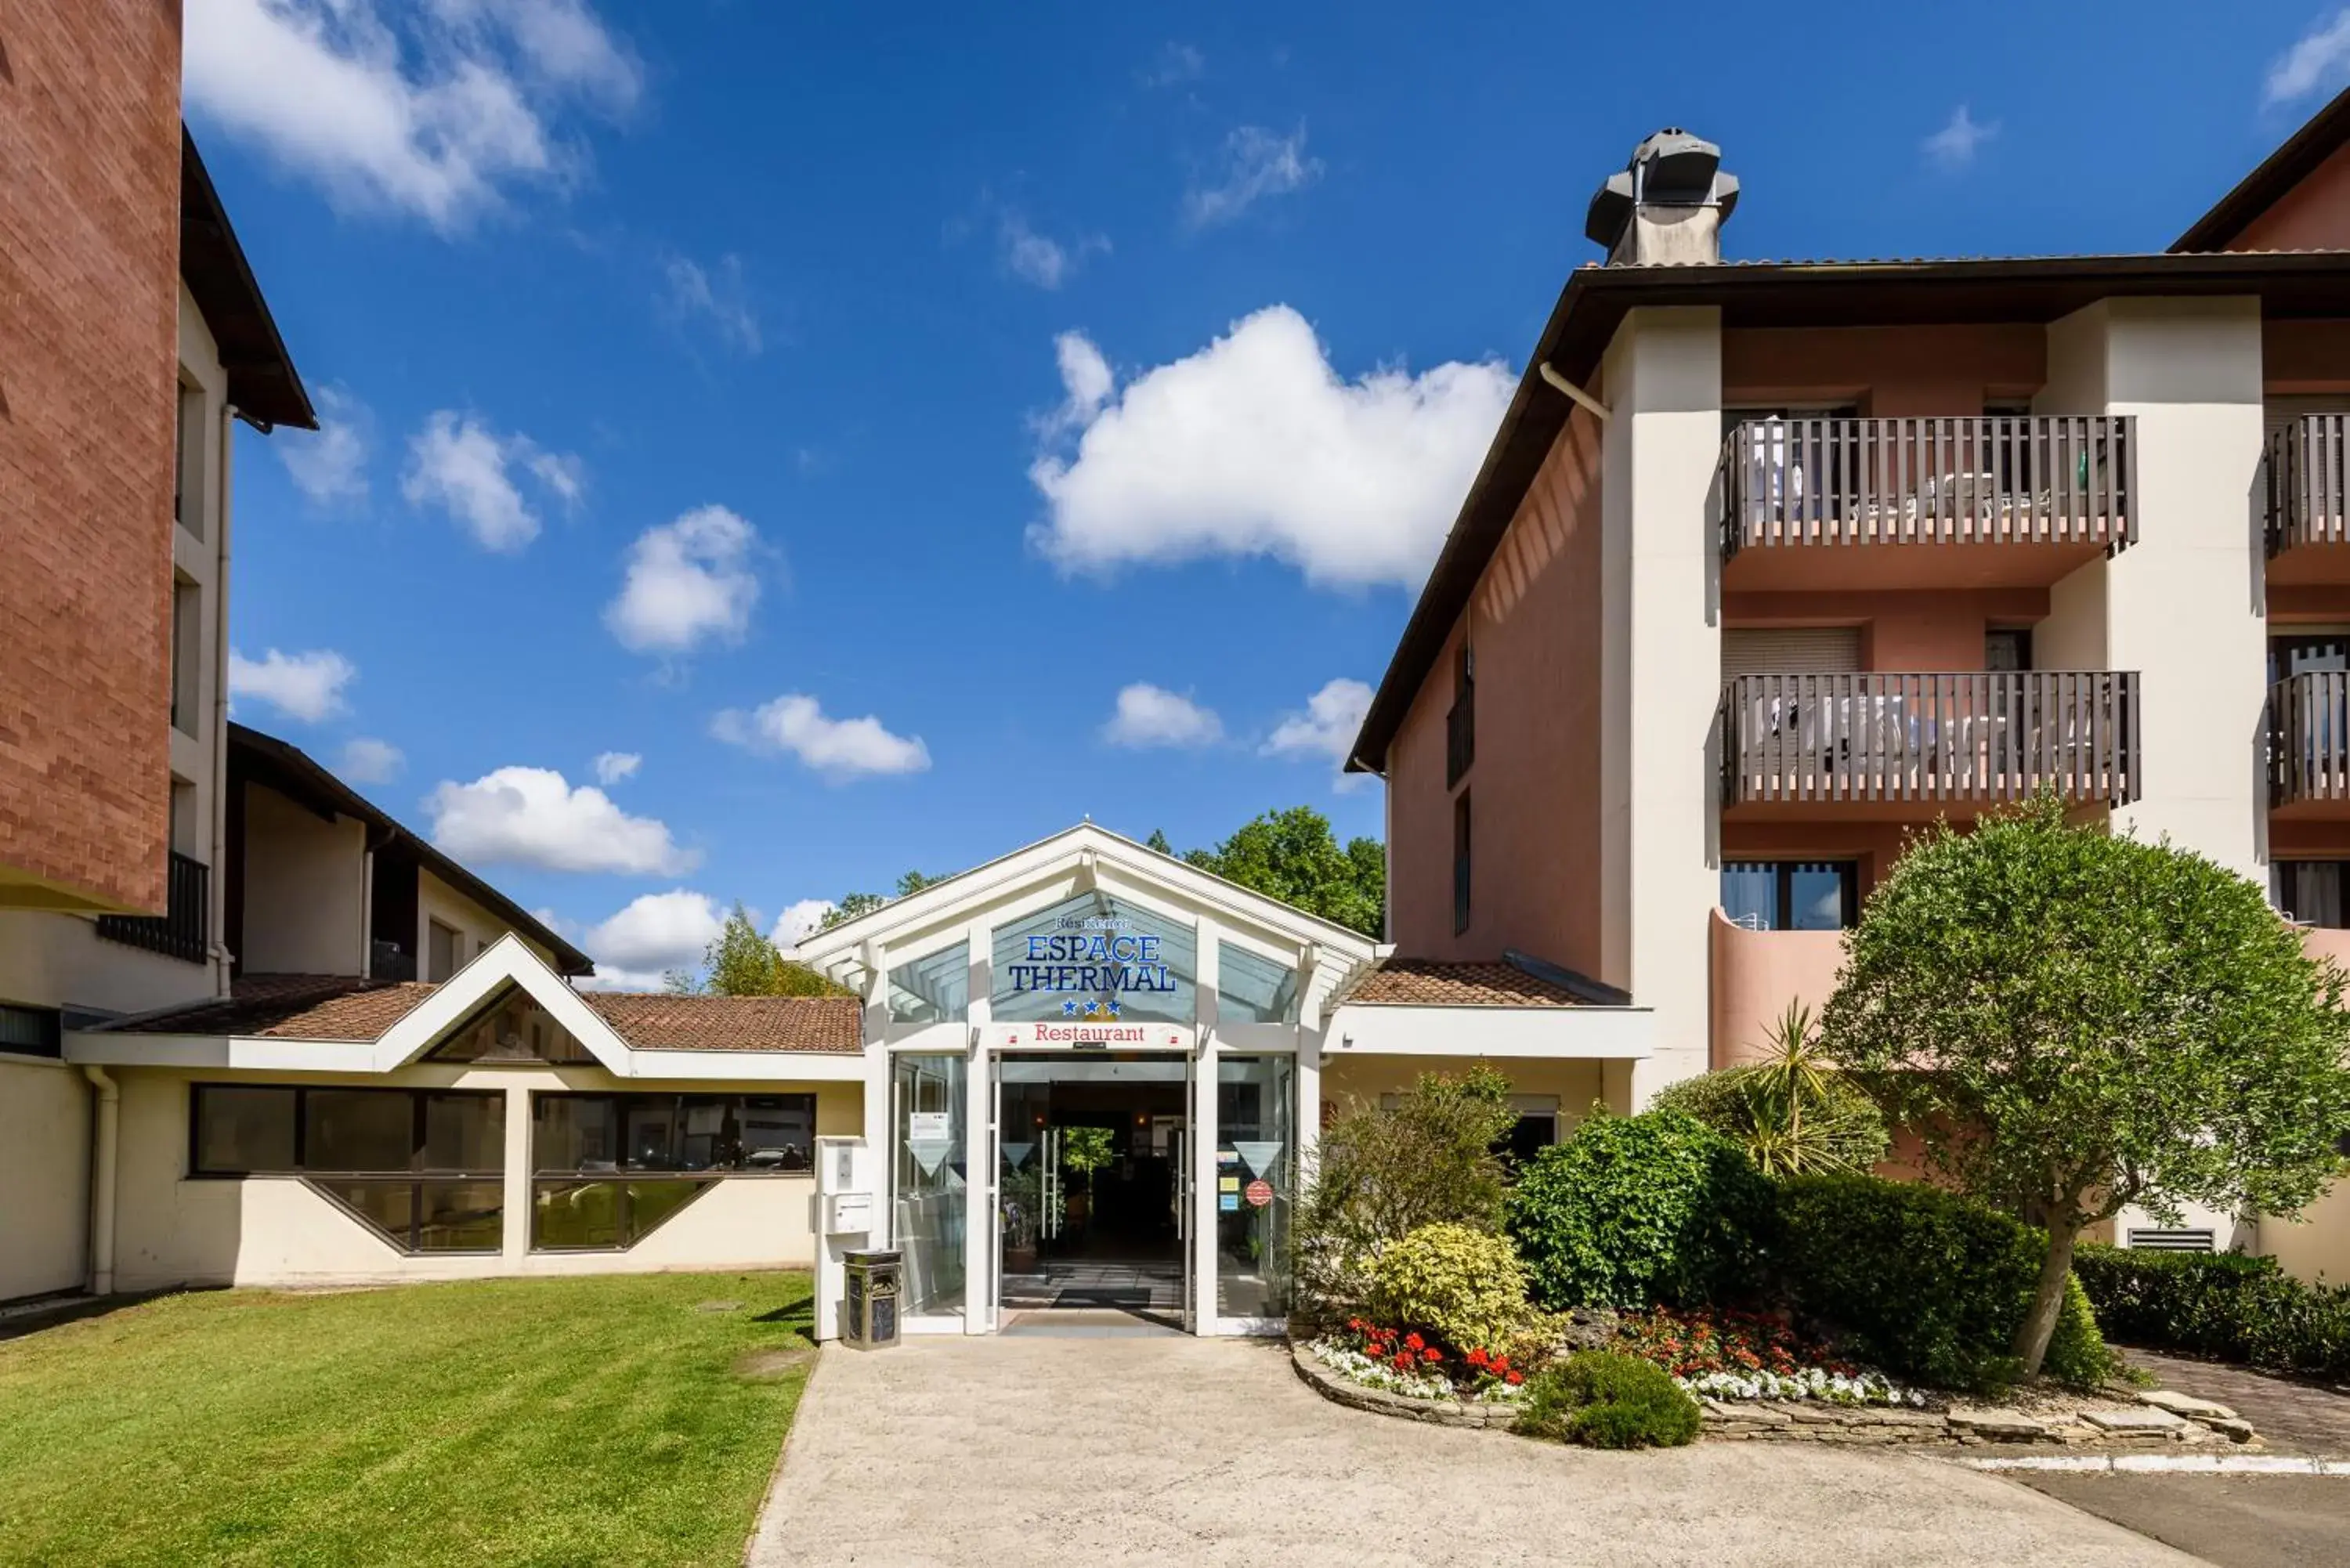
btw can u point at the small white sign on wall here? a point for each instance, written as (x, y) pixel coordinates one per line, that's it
(924, 1125)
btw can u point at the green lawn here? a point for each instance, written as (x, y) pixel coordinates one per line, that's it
(510, 1421)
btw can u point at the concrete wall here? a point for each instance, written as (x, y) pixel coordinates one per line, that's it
(1756, 974)
(1661, 668)
(304, 889)
(45, 1129)
(1352, 1081)
(173, 1229)
(436, 900)
(1887, 371)
(2315, 1244)
(90, 251)
(1932, 630)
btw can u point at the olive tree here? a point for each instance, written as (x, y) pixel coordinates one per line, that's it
(2075, 1022)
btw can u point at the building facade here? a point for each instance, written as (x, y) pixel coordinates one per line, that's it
(1772, 564)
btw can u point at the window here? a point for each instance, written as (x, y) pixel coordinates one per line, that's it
(512, 1028)
(1461, 862)
(1095, 957)
(1535, 1130)
(423, 1169)
(1253, 990)
(934, 989)
(2007, 648)
(31, 1031)
(2308, 891)
(1790, 894)
(187, 464)
(1461, 721)
(441, 946)
(609, 1168)
(187, 632)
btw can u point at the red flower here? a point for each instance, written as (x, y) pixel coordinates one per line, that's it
(1476, 1357)
(1513, 1377)
(1413, 1340)
(1431, 1355)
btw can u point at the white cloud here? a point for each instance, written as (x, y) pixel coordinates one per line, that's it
(328, 465)
(715, 294)
(1039, 258)
(1256, 164)
(839, 749)
(611, 767)
(1151, 715)
(688, 580)
(531, 816)
(1253, 446)
(368, 761)
(2318, 61)
(1177, 63)
(460, 465)
(1954, 145)
(1333, 718)
(798, 923)
(434, 111)
(305, 686)
(657, 932)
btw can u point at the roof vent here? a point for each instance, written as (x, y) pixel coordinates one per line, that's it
(1666, 205)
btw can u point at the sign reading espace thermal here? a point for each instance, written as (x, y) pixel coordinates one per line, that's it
(1092, 955)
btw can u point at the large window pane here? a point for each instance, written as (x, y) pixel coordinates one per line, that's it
(240, 1129)
(460, 1216)
(928, 1103)
(1815, 897)
(464, 1133)
(512, 1028)
(648, 1133)
(651, 1202)
(1749, 895)
(575, 1133)
(1095, 957)
(1256, 1182)
(357, 1130)
(777, 1132)
(575, 1214)
(934, 989)
(387, 1206)
(1253, 990)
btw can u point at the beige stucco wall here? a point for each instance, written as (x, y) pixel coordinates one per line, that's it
(2315, 1244)
(1756, 974)
(304, 889)
(436, 900)
(45, 1127)
(1662, 669)
(175, 1230)
(59, 961)
(1352, 1081)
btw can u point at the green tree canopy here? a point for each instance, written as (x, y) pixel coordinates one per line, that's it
(2075, 1021)
(741, 961)
(1293, 856)
(852, 905)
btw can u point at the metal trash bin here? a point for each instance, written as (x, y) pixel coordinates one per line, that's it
(868, 1316)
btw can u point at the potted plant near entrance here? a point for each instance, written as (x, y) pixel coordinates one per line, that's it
(1083, 1150)
(1023, 1197)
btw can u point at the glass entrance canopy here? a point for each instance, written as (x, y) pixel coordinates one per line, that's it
(1095, 956)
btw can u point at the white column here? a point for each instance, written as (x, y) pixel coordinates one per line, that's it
(1204, 1139)
(1660, 659)
(979, 1249)
(515, 1248)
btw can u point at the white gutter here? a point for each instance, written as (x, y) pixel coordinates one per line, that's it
(1583, 400)
(103, 1158)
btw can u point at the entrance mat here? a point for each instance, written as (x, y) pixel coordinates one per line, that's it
(1082, 1323)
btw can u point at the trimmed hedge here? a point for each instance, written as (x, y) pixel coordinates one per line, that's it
(2222, 1304)
(1926, 1283)
(1632, 1212)
(1462, 1285)
(1603, 1400)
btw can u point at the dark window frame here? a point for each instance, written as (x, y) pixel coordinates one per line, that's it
(49, 1022)
(1462, 863)
(418, 1175)
(623, 1179)
(1461, 719)
(1783, 897)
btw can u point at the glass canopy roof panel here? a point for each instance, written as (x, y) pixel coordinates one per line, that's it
(934, 989)
(1095, 957)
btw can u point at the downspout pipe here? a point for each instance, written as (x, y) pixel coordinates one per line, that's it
(216, 884)
(103, 1159)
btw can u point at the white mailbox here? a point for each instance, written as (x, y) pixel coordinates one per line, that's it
(843, 1165)
(848, 1213)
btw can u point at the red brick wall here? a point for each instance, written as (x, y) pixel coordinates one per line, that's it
(90, 212)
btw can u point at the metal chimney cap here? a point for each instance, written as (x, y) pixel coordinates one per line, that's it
(1671, 168)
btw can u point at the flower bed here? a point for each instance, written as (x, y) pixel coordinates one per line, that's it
(1402, 1361)
(1748, 1355)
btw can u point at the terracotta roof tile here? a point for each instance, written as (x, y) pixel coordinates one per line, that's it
(659, 1022)
(1432, 982)
(343, 1007)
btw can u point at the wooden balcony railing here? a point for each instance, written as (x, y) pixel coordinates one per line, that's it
(2063, 479)
(1986, 736)
(2309, 738)
(2307, 463)
(183, 930)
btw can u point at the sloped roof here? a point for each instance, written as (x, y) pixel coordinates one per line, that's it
(1398, 982)
(262, 381)
(344, 1008)
(2295, 161)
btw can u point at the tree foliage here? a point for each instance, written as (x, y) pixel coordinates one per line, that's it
(1793, 1112)
(2075, 1021)
(741, 961)
(851, 905)
(1293, 856)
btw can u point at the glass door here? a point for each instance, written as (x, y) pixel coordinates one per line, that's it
(1186, 1221)
(1256, 1187)
(929, 1187)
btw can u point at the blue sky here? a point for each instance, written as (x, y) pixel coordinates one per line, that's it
(903, 434)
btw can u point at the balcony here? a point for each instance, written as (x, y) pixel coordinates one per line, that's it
(1851, 504)
(1901, 745)
(2308, 516)
(2309, 745)
(183, 930)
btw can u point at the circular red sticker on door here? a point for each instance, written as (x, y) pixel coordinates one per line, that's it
(1260, 1193)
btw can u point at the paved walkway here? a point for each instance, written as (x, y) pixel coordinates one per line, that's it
(2291, 1417)
(1174, 1449)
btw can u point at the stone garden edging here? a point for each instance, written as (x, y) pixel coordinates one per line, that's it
(2156, 1421)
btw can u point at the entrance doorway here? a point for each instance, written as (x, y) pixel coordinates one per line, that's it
(1094, 1182)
